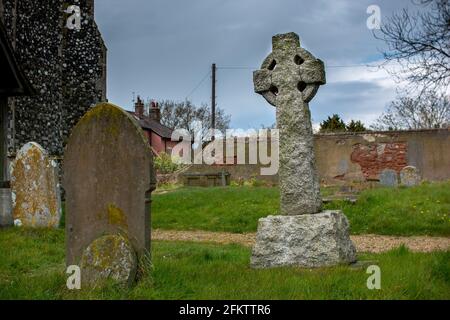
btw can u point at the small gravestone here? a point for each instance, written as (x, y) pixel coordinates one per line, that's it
(6, 218)
(35, 189)
(109, 257)
(302, 235)
(389, 178)
(108, 179)
(410, 176)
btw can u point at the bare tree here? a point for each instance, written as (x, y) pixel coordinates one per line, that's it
(426, 111)
(420, 42)
(203, 114)
(185, 115)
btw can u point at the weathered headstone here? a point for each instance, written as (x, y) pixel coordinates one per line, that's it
(108, 179)
(109, 257)
(302, 235)
(389, 178)
(410, 176)
(6, 218)
(35, 189)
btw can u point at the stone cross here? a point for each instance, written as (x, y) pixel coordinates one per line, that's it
(289, 79)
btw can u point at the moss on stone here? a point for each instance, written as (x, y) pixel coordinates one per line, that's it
(109, 257)
(114, 114)
(116, 216)
(35, 201)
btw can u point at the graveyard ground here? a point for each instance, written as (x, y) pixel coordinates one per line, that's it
(422, 210)
(32, 261)
(32, 267)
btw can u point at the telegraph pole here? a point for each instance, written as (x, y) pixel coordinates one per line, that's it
(213, 100)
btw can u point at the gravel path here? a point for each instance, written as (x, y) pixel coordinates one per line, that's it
(364, 243)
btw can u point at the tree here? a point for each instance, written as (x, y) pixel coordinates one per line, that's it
(332, 124)
(356, 126)
(203, 114)
(425, 111)
(185, 115)
(419, 42)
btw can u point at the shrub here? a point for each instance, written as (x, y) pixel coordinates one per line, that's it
(164, 164)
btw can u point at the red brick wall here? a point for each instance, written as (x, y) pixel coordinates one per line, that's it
(375, 158)
(157, 143)
(160, 144)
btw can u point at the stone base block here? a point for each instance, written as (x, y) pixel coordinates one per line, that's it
(308, 241)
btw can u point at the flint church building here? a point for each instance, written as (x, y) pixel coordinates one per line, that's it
(50, 74)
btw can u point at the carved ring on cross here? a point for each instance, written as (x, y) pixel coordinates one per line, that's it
(289, 68)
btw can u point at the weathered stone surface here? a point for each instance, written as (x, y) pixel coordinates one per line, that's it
(35, 188)
(410, 176)
(109, 257)
(6, 218)
(373, 157)
(389, 178)
(289, 78)
(309, 241)
(108, 179)
(302, 236)
(67, 69)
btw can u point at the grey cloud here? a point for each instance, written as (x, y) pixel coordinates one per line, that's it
(161, 49)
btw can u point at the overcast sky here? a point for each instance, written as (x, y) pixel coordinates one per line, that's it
(162, 49)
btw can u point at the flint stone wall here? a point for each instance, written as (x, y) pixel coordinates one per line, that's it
(67, 68)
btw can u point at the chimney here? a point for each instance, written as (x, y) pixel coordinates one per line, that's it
(155, 112)
(139, 108)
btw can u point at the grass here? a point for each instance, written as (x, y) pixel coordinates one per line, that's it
(32, 267)
(230, 209)
(423, 210)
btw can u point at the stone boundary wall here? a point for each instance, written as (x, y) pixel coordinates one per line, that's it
(360, 157)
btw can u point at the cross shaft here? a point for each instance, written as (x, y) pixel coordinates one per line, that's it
(289, 79)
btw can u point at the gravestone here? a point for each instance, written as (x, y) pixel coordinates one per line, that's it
(6, 218)
(35, 189)
(108, 179)
(389, 178)
(302, 235)
(109, 257)
(410, 176)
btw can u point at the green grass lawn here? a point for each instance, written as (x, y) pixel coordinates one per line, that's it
(32, 267)
(423, 210)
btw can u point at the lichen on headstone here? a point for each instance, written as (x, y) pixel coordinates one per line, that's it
(109, 258)
(410, 176)
(35, 188)
(108, 179)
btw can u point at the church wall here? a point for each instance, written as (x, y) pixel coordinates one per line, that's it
(66, 67)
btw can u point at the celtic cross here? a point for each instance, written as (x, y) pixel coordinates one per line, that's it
(289, 79)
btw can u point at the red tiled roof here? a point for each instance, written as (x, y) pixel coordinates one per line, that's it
(150, 124)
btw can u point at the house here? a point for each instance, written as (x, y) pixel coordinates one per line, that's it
(159, 136)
